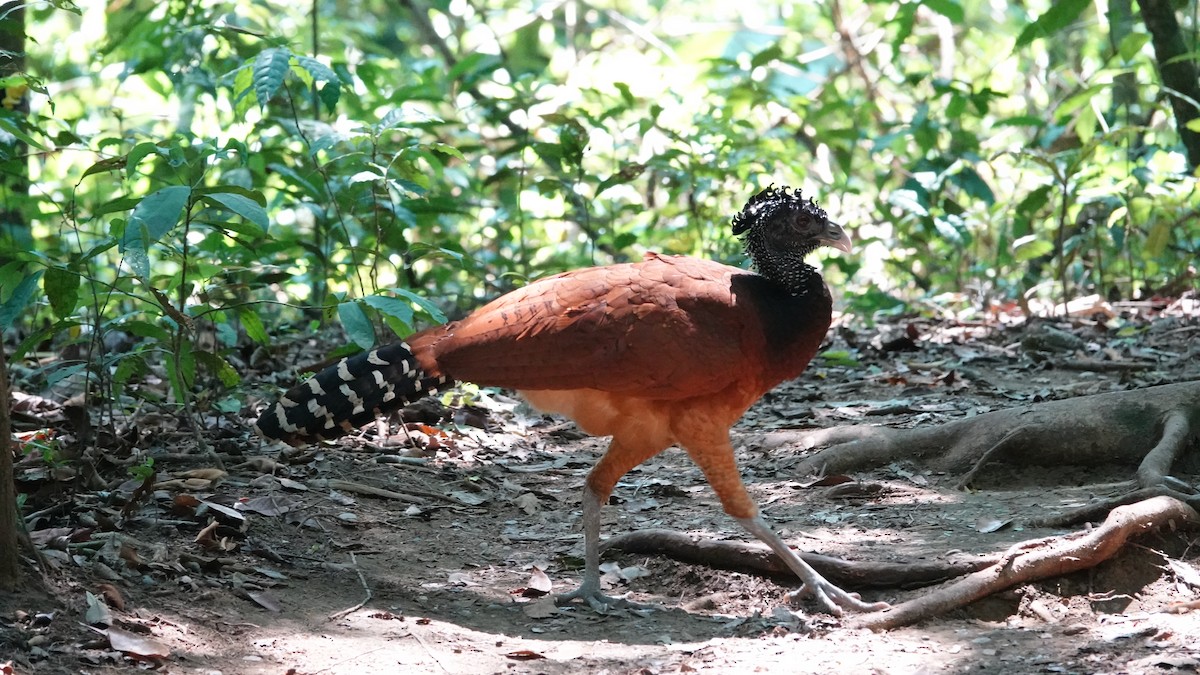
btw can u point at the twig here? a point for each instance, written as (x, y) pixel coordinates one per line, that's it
(359, 488)
(366, 591)
(1059, 556)
(411, 496)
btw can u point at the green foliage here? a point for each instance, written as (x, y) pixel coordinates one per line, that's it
(144, 470)
(210, 180)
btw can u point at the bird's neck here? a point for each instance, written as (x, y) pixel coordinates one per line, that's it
(787, 269)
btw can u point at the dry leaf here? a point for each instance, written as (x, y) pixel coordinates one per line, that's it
(98, 613)
(528, 503)
(269, 505)
(112, 596)
(986, 525)
(265, 600)
(539, 584)
(525, 655)
(541, 609)
(204, 474)
(137, 645)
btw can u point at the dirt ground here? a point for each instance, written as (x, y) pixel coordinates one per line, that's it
(304, 574)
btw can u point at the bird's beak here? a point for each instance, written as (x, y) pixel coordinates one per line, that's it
(837, 237)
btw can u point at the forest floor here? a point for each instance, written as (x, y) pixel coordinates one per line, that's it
(284, 565)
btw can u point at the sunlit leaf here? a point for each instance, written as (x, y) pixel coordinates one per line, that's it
(253, 325)
(1031, 246)
(426, 306)
(396, 308)
(947, 8)
(270, 68)
(1158, 237)
(243, 206)
(1060, 15)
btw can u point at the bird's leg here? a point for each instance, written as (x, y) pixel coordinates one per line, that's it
(603, 477)
(589, 590)
(716, 461)
(827, 594)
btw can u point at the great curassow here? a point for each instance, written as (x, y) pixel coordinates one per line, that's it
(667, 351)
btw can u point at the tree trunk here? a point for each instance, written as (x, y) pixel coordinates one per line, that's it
(1177, 69)
(14, 176)
(10, 570)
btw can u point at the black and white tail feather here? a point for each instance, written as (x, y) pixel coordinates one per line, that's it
(347, 395)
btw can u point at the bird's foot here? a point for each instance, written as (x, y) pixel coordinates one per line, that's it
(835, 600)
(591, 594)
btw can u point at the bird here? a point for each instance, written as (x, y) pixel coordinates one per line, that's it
(667, 351)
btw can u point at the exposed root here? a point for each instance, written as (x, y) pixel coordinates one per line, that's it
(1027, 562)
(758, 558)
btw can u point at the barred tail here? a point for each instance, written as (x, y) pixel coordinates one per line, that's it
(347, 395)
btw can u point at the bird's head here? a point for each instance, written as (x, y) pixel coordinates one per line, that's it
(778, 228)
(785, 222)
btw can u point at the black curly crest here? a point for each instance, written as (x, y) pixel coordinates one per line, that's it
(766, 205)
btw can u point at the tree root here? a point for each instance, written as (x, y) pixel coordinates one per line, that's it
(1041, 559)
(1152, 426)
(757, 558)
(1096, 511)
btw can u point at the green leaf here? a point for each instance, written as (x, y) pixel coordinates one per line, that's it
(139, 152)
(292, 177)
(58, 374)
(396, 308)
(181, 371)
(1059, 16)
(550, 153)
(973, 184)
(627, 173)
(574, 139)
(317, 71)
(478, 63)
(766, 56)
(426, 306)
(219, 367)
(270, 68)
(62, 290)
(330, 93)
(1035, 200)
(445, 149)
(624, 240)
(1132, 44)
(838, 357)
(956, 106)
(147, 330)
(1080, 99)
(1031, 246)
(156, 215)
(117, 205)
(947, 8)
(7, 124)
(243, 206)
(128, 366)
(356, 323)
(16, 303)
(105, 165)
(253, 325)
(243, 90)
(1158, 237)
